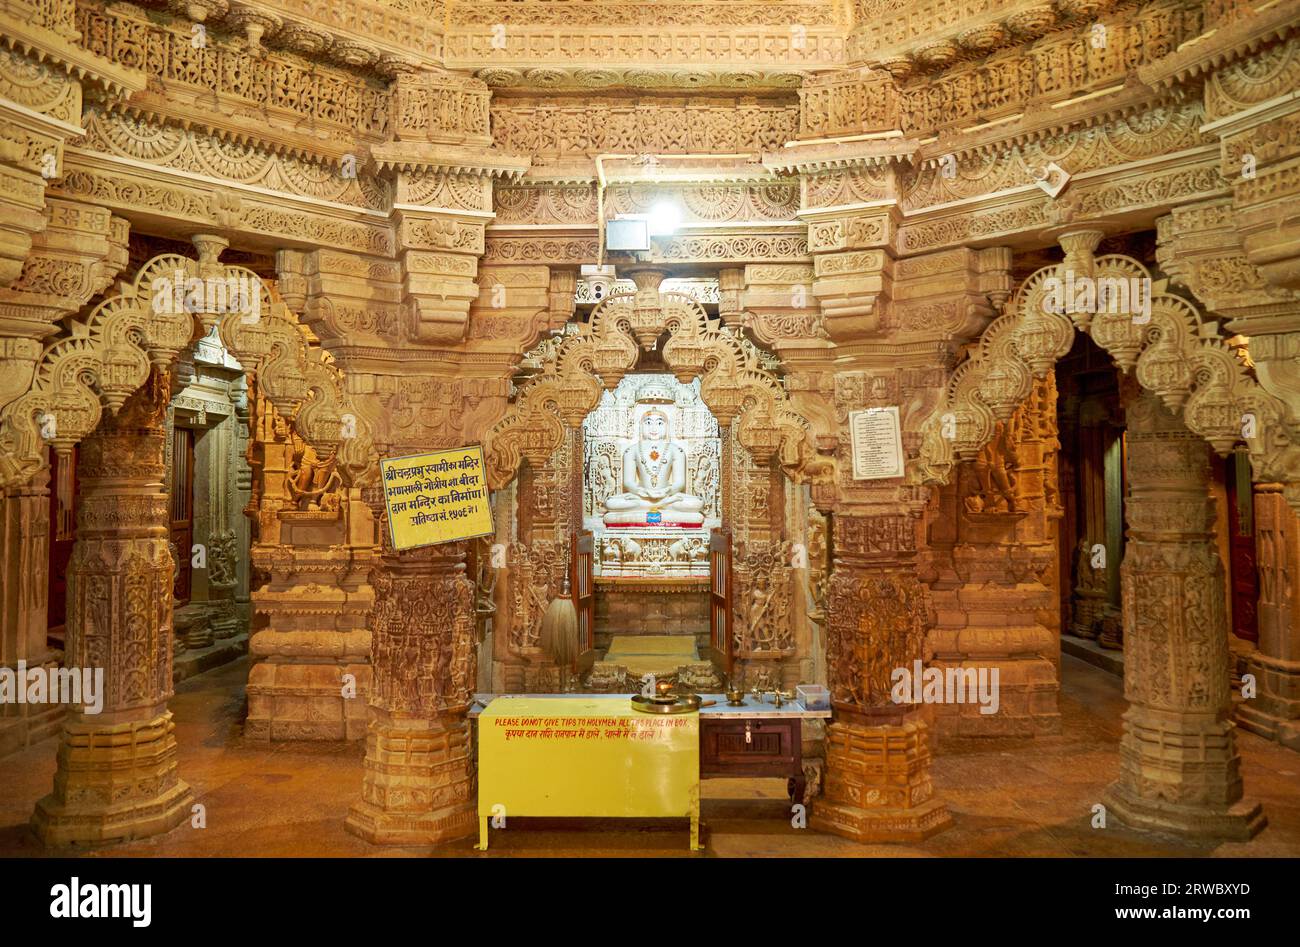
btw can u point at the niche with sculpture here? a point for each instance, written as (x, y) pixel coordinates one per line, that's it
(651, 424)
(651, 479)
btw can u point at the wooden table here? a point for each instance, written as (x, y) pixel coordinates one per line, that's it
(755, 739)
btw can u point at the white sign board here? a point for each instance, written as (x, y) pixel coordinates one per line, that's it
(877, 444)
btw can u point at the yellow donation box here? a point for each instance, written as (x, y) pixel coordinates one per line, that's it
(586, 756)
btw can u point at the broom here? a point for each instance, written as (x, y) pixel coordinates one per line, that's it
(559, 637)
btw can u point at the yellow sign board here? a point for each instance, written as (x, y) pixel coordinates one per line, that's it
(586, 756)
(438, 497)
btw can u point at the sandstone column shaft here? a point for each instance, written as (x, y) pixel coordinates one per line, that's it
(877, 781)
(24, 588)
(419, 785)
(117, 775)
(1179, 769)
(1275, 710)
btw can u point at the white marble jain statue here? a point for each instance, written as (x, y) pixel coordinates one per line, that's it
(654, 481)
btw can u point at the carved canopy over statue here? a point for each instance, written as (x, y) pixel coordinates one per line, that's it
(597, 356)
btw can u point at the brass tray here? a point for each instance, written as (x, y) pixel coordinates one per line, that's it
(669, 704)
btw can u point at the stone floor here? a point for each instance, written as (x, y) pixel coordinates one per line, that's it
(1007, 797)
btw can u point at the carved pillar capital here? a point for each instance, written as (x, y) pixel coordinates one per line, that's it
(1080, 246)
(517, 305)
(1250, 107)
(439, 260)
(77, 254)
(352, 302)
(1199, 247)
(852, 286)
(43, 70)
(949, 296)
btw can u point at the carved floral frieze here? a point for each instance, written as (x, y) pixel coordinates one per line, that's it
(614, 126)
(197, 152)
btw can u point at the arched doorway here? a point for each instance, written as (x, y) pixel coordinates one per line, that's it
(557, 463)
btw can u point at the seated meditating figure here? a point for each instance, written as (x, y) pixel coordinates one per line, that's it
(654, 481)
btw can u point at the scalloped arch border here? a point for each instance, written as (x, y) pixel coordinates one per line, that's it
(1178, 356)
(108, 355)
(596, 356)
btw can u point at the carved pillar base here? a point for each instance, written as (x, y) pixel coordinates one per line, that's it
(310, 633)
(114, 783)
(193, 626)
(223, 616)
(990, 624)
(1027, 695)
(419, 785)
(1181, 774)
(1088, 610)
(1110, 629)
(877, 781)
(1275, 712)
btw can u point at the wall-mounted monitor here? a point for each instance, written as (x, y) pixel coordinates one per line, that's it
(627, 235)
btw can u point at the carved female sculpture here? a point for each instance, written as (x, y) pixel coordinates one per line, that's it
(654, 481)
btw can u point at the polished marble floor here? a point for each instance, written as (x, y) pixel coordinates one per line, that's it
(1007, 797)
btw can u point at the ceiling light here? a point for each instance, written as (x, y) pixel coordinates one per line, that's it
(664, 219)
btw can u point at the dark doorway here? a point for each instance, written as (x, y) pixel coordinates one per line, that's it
(1243, 578)
(181, 499)
(63, 534)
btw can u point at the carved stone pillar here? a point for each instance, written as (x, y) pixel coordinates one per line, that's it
(117, 777)
(24, 587)
(313, 599)
(419, 783)
(1199, 250)
(1275, 710)
(1179, 769)
(992, 546)
(877, 781)
(243, 474)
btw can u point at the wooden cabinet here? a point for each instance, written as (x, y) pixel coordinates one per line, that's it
(753, 746)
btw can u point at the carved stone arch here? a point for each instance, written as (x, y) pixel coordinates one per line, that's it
(108, 356)
(595, 357)
(1176, 354)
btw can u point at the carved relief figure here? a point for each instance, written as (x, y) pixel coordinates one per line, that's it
(313, 482)
(601, 481)
(995, 472)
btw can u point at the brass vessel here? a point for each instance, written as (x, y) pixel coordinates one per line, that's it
(666, 703)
